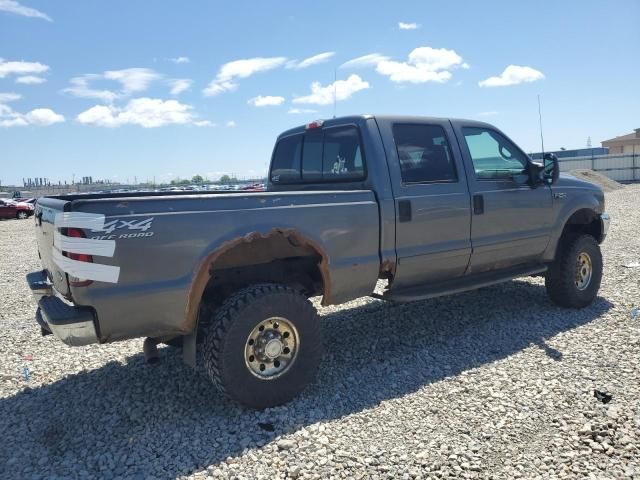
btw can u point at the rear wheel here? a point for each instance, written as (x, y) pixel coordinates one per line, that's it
(264, 345)
(21, 215)
(573, 280)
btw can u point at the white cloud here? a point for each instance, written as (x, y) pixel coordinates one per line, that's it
(180, 85)
(342, 89)
(146, 112)
(9, 97)
(370, 60)
(408, 26)
(424, 64)
(231, 124)
(179, 60)
(301, 110)
(80, 88)
(13, 121)
(225, 80)
(43, 117)
(513, 75)
(131, 80)
(204, 123)
(39, 117)
(20, 68)
(12, 6)
(30, 80)
(265, 101)
(489, 113)
(307, 62)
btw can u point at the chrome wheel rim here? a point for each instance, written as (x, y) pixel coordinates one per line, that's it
(271, 348)
(584, 271)
(22, 215)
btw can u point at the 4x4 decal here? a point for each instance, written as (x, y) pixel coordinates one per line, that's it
(140, 228)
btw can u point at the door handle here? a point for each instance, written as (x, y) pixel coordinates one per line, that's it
(478, 204)
(404, 210)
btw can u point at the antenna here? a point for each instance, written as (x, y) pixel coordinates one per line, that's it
(335, 74)
(540, 121)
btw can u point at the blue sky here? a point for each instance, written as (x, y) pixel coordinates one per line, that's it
(117, 89)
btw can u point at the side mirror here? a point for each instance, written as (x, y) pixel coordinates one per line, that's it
(550, 169)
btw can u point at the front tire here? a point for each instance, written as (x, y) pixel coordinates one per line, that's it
(21, 215)
(573, 280)
(264, 345)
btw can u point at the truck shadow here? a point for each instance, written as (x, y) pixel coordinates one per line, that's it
(163, 421)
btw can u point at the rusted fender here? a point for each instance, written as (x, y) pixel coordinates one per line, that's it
(204, 270)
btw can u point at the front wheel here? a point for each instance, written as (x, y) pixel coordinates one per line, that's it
(264, 345)
(21, 215)
(573, 280)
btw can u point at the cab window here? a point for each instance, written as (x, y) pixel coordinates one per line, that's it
(319, 155)
(424, 154)
(342, 156)
(285, 167)
(493, 155)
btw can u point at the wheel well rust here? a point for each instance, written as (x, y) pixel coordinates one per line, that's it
(254, 249)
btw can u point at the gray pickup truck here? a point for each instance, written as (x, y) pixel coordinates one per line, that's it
(433, 206)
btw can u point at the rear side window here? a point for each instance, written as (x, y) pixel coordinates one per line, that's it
(424, 154)
(320, 155)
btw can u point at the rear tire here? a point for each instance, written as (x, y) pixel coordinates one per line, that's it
(263, 345)
(573, 279)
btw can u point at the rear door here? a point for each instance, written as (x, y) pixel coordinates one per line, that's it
(511, 221)
(432, 201)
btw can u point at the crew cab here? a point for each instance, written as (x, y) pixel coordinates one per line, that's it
(433, 206)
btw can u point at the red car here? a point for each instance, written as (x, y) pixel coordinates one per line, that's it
(11, 209)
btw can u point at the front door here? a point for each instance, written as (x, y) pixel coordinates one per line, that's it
(432, 202)
(511, 221)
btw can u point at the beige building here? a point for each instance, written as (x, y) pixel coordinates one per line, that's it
(626, 144)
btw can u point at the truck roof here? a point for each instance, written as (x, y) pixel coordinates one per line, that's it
(389, 118)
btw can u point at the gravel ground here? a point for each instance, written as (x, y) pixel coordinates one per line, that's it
(495, 383)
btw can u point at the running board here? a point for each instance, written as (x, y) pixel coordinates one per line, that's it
(458, 285)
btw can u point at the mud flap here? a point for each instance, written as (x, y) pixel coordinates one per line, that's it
(189, 347)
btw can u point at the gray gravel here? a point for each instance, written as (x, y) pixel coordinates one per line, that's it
(496, 383)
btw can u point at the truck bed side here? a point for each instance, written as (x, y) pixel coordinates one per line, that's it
(161, 244)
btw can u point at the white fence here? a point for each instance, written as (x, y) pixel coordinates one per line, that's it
(622, 168)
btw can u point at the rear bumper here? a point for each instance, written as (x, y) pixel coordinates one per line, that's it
(74, 325)
(39, 284)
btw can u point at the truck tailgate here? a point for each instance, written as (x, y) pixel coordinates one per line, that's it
(45, 217)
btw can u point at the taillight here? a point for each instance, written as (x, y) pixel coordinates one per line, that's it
(80, 257)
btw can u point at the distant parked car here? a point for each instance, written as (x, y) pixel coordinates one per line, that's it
(255, 187)
(11, 209)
